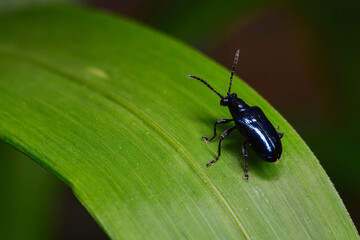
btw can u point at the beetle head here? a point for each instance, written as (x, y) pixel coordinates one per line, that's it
(228, 99)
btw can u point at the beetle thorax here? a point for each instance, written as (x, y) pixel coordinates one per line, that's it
(237, 105)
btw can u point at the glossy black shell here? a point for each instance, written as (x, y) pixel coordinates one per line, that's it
(256, 128)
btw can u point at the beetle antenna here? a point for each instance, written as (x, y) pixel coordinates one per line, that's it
(208, 85)
(233, 69)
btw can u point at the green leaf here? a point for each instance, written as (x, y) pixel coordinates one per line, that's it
(11, 5)
(19, 179)
(105, 104)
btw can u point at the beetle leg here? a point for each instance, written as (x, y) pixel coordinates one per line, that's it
(221, 121)
(227, 132)
(245, 153)
(281, 134)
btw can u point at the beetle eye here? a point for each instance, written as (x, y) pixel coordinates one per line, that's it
(224, 101)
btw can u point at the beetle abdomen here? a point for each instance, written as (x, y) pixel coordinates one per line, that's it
(260, 133)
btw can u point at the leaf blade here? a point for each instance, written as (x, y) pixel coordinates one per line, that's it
(106, 105)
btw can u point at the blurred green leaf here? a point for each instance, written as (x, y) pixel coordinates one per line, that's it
(22, 179)
(10, 5)
(105, 104)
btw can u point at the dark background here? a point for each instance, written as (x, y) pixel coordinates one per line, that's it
(302, 56)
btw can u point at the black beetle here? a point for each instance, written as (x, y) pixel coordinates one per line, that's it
(252, 124)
